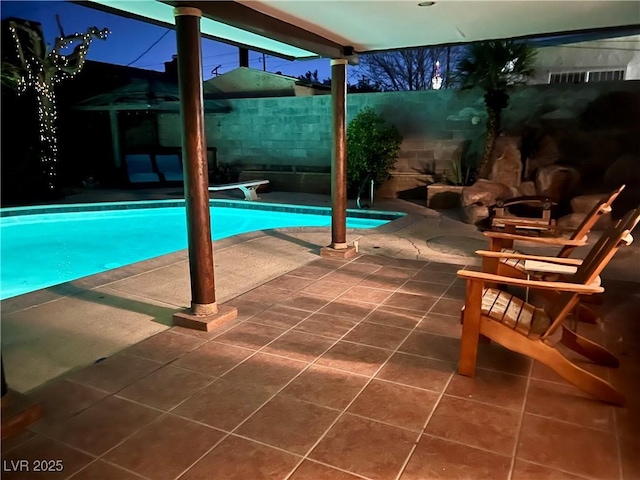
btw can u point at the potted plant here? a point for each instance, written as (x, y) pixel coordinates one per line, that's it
(372, 149)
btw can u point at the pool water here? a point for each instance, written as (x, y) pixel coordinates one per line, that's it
(45, 249)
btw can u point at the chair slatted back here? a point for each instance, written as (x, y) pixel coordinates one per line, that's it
(592, 266)
(602, 207)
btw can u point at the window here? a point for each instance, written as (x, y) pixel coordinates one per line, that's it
(586, 76)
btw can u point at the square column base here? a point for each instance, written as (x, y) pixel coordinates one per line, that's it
(18, 412)
(205, 323)
(343, 253)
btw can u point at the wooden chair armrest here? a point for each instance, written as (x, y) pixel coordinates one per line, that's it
(535, 284)
(541, 200)
(523, 256)
(543, 240)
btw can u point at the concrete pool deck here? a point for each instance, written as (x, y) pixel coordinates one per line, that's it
(52, 331)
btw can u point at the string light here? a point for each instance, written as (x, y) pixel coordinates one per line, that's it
(42, 74)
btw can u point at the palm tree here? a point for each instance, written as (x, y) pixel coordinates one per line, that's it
(494, 66)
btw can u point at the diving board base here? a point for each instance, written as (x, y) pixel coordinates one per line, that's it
(205, 323)
(341, 253)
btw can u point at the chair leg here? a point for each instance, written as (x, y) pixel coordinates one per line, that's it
(588, 349)
(552, 358)
(470, 329)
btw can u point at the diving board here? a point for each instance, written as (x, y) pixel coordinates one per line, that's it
(248, 188)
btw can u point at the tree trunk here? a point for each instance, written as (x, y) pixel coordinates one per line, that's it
(492, 132)
(48, 134)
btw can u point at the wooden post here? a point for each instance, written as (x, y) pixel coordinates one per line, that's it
(339, 247)
(204, 313)
(115, 138)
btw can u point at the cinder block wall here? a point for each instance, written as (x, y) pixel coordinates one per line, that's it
(293, 134)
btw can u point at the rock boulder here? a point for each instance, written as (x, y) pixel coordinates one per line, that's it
(558, 182)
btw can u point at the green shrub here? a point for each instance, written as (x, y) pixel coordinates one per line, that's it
(372, 148)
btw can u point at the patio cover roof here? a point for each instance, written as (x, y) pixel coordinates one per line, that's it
(329, 28)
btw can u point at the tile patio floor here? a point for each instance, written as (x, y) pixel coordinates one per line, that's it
(339, 370)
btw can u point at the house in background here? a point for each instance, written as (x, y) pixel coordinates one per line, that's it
(244, 82)
(601, 60)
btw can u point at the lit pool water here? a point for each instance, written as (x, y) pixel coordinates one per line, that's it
(39, 250)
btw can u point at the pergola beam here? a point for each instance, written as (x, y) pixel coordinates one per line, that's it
(240, 16)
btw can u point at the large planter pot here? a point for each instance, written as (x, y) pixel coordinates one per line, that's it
(441, 196)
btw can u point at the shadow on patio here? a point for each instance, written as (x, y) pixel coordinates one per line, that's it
(339, 370)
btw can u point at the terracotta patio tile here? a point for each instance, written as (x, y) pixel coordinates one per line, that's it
(325, 386)
(448, 306)
(104, 425)
(362, 268)
(265, 295)
(239, 459)
(365, 295)
(346, 277)
(266, 371)
(37, 449)
(288, 424)
(309, 470)
(330, 326)
(407, 263)
(299, 346)
(444, 267)
(432, 346)
(628, 420)
(354, 358)
(395, 272)
(493, 388)
(330, 262)
(306, 301)
(223, 404)
(496, 358)
(589, 452)
(429, 275)
(446, 325)
(398, 405)
(365, 447)
(568, 403)
(279, 317)
(418, 372)
(529, 471)
(289, 282)
(166, 388)
(382, 281)
(327, 288)
(165, 448)
(377, 335)
(63, 399)
(475, 424)
(438, 458)
(16, 440)
(456, 292)
(246, 308)
(211, 334)
(115, 373)
(250, 335)
(372, 259)
(312, 272)
(100, 470)
(409, 301)
(629, 448)
(395, 317)
(347, 309)
(428, 289)
(165, 346)
(213, 358)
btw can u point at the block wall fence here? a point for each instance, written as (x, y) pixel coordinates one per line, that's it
(288, 139)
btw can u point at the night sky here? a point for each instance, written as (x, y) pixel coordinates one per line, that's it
(130, 38)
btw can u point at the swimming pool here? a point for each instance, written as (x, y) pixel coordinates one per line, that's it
(46, 246)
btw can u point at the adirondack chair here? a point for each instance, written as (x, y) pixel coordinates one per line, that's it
(511, 263)
(523, 328)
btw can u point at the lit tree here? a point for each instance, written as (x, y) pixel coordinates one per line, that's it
(41, 69)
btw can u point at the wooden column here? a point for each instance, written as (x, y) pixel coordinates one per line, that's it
(115, 138)
(204, 313)
(339, 247)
